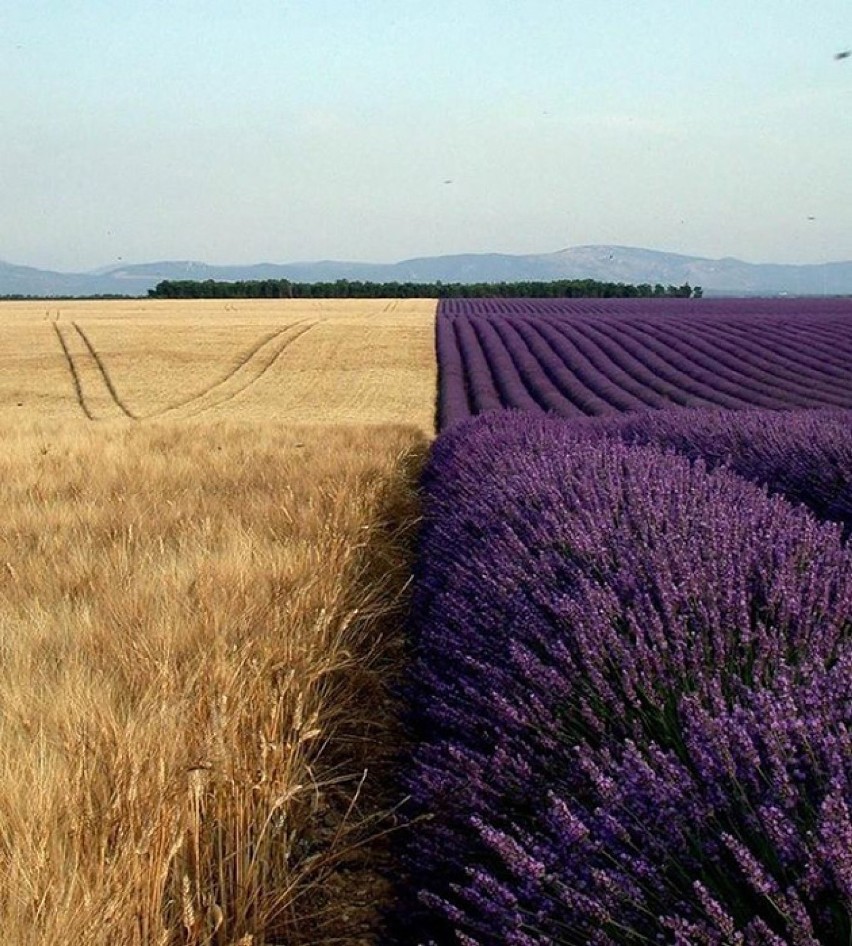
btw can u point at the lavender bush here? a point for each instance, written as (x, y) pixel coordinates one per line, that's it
(631, 697)
(805, 456)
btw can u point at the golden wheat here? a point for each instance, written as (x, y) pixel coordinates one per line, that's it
(200, 616)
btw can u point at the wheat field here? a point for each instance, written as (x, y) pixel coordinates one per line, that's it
(208, 520)
(323, 361)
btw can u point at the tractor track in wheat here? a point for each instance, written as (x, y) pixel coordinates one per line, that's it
(253, 365)
(75, 375)
(249, 370)
(101, 367)
(77, 369)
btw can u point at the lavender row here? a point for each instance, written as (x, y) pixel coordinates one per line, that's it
(792, 311)
(599, 357)
(630, 699)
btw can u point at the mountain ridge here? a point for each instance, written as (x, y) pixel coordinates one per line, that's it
(604, 262)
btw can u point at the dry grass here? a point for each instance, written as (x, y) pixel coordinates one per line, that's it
(322, 361)
(199, 619)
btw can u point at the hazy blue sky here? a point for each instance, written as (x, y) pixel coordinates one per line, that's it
(285, 130)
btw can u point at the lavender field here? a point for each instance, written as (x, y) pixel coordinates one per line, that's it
(590, 357)
(630, 700)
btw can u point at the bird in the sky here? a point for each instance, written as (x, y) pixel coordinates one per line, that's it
(845, 54)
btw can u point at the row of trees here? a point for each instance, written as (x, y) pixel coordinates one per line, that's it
(346, 289)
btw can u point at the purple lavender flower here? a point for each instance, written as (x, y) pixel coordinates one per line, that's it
(630, 695)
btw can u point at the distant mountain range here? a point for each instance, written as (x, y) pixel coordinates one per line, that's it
(607, 263)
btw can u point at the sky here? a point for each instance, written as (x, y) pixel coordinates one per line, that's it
(290, 130)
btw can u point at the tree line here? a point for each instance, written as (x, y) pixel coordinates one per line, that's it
(355, 289)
